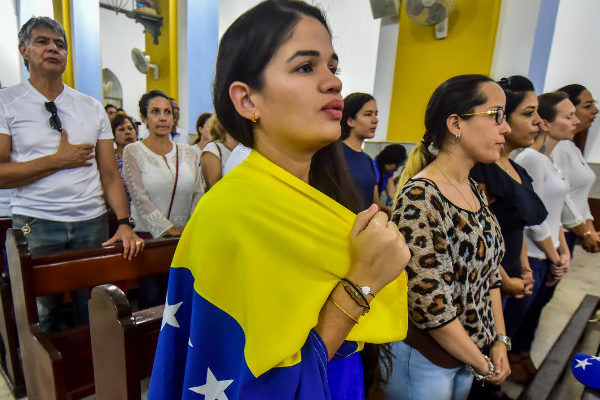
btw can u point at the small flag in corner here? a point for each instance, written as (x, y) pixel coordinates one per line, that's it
(586, 369)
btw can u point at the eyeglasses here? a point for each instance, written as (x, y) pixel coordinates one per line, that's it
(54, 120)
(499, 115)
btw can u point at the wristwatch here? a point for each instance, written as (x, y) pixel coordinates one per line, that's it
(504, 339)
(126, 221)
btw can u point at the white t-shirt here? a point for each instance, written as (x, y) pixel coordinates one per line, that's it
(237, 156)
(68, 195)
(150, 179)
(552, 189)
(581, 178)
(219, 150)
(5, 195)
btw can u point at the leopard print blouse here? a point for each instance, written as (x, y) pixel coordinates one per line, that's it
(454, 263)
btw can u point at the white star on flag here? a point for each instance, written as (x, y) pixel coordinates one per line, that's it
(213, 389)
(582, 363)
(169, 314)
(594, 358)
(190, 342)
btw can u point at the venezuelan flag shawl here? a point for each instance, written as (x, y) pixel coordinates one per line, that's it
(252, 270)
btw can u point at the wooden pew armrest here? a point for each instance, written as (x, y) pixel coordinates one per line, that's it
(46, 346)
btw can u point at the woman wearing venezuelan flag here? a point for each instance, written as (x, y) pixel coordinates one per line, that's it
(276, 283)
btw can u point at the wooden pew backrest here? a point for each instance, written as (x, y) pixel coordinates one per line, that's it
(58, 366)
(123, 343)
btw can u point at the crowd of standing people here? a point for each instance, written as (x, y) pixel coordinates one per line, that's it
(307, 269)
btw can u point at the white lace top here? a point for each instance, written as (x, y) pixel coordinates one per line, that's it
(150, 178)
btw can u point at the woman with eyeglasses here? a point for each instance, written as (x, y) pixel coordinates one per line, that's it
(515, 204)
(577, 218)
(547, 248)
(456, 327)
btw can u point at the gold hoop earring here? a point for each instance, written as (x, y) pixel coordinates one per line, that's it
(253, 119)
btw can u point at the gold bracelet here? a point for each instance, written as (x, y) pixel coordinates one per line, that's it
(342, 310)
(587, 234)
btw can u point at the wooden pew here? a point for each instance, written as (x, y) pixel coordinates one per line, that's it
(123, 343)
(10, 364)
(59, 365)
(558, 360)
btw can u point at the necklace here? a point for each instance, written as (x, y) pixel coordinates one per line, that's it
(505, 167)
(473, 207)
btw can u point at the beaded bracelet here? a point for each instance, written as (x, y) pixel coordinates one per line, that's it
(342, 310)
(356, 295)
(481, 377)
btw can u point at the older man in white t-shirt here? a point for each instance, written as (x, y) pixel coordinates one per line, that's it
(56, 153)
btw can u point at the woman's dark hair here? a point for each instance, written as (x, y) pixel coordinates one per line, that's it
(244, 51)
(515, 88)
(548, 102)
(145, 99)
(573, 91)
(202, 118)
(246, 48)
(391, 154)
(352, 105)
(106, 107)
(458, 95)
(118, 119)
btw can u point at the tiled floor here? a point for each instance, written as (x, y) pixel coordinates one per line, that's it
(583, 278)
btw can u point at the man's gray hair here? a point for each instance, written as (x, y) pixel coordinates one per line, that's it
(36, 22)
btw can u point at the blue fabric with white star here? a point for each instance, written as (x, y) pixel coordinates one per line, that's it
(200, 355)
(586, 369)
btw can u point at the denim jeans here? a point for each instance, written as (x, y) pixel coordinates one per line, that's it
(571, 240)
(515, 309)
(522, 338)
(47, 237)
(153, 290)
(414, 377)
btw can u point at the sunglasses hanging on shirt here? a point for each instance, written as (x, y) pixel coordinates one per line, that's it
(53, 120)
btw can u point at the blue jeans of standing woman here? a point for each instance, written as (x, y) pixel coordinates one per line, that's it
(414, 377)
(522, 335)
(47, 237)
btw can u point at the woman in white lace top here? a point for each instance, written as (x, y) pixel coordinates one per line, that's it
(163, 177)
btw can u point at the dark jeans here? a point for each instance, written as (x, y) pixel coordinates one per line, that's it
(153, 290)
(47, 237)
(571, 239)
(531, 308)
